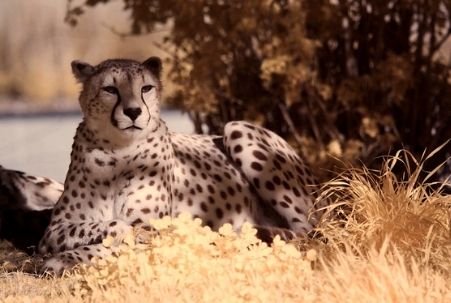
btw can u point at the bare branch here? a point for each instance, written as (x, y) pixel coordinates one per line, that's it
(290, 124)
(131, 34)
(439, 43)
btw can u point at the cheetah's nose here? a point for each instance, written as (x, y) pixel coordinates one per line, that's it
(132, 112)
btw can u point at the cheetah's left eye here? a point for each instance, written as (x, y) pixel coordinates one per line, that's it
(110, 89)
(146, 88)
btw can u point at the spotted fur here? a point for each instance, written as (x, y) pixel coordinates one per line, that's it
(126, 168)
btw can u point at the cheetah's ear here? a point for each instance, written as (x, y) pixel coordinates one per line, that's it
(82, 71)
(154, 65)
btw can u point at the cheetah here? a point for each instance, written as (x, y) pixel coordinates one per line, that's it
(127, 168)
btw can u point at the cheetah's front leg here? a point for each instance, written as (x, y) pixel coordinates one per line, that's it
(67, 235)
(68, 259)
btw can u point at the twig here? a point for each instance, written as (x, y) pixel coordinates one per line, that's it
(439, 43)
(290, 124)
(131, 34)
(167, 51)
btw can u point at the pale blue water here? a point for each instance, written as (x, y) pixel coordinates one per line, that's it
(41, 145)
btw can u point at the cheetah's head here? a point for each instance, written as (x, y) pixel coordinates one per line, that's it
(120, 98)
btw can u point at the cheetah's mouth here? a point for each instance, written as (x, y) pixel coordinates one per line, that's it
(132, 127)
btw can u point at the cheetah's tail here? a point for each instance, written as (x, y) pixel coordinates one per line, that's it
(19, 190)
(26, 204)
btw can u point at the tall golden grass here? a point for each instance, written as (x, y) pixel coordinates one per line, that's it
(373, 208)
(384, 239)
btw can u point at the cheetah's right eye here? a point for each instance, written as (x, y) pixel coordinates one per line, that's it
(146, 88)
(110, 89)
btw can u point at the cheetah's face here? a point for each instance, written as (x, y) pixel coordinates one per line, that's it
(120, 98)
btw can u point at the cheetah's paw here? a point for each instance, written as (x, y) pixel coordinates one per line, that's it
(56, 266)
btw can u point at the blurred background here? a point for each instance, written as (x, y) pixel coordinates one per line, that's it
(38, 95)
(344, 81)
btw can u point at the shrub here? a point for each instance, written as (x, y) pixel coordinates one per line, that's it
(350, 78)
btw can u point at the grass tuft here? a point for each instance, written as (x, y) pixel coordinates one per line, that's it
(373, 207)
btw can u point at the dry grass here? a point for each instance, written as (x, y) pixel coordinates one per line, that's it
(374, 207)
(383, 240)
